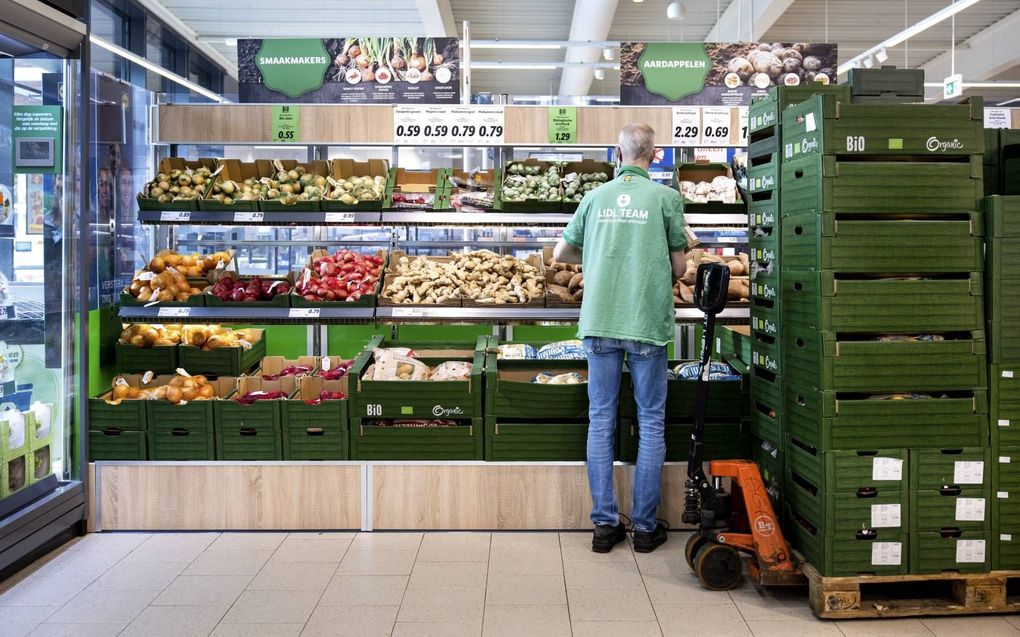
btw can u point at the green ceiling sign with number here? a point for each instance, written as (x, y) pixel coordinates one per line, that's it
(674, 70)
(293, 66)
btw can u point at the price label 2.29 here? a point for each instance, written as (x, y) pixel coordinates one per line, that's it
(718, 127)
(686, 126)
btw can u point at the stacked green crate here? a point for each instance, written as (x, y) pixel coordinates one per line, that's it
(1009, 161)
(886, 85)
(765, 166)
(883, 331)
(1002, 297)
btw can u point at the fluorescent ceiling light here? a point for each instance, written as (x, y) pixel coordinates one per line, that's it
(910, 32)
(475, 66)
(155, 68)
(675, 11)
(27, 74)
(230, 42)
(607, 54)
(509, 44)
(600, 74)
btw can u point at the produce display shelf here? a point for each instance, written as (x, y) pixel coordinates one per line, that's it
(240, 218)
(245, 314)
(462, 219)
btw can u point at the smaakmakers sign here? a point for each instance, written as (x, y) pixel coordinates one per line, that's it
(292, 67)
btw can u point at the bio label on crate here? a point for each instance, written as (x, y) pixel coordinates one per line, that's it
(970, 509)
(886, 553)
(885, 516)
(970, 551)
(969, 472)
(886, 469)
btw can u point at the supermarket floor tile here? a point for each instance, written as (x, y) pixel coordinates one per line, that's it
(309, 584)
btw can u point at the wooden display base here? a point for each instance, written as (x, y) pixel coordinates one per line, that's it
(207, 496)
(875, 596)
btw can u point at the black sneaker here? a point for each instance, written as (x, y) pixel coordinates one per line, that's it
(606, 537)
(648, 541)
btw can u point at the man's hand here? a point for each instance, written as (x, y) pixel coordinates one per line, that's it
(566, 253)
(678, 261)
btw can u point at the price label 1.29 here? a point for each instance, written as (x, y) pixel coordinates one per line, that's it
(718, 127)
(686, 126)
(448, 125)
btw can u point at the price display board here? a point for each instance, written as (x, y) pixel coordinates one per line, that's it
(562, 125)
(448, 125)
(686, 126)
(718, 129)
(286, 128)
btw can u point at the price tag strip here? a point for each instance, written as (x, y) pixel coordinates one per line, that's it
(448, 125)
(175, 215)
(339, 217)
(174, 312)
(249, 217)
(710, 126)
(304, 312)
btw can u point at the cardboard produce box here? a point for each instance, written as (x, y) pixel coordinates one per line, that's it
(237, 171)
(317, 167)
(168, 164)
(706, 172)
(345, 169)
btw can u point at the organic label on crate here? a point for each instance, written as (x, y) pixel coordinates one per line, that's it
(969, 472)
(1007, 373)
(175, 215)
(970, 509)
(173, 312)
(339, 217)
(886, 469)
(304, 312)
(1005, 537)
(764, 325)
(970, 551)
(885, 516)
(1002, 495)
(886, 553)
(1003, 423)
(1003, 459)
(249, 217)
(448, 125)
(686, 126)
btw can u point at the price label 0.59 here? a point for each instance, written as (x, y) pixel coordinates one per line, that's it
(448, 125)
(686, 126)
(718, 127)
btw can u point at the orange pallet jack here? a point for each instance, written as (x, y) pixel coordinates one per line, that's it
(741, 521)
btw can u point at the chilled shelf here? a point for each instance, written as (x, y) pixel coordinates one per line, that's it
(230, 218)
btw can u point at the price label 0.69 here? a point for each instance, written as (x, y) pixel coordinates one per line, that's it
(718, 127)
(686, 126)
(448, 125)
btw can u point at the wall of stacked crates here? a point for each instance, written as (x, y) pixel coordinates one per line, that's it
(876, 300)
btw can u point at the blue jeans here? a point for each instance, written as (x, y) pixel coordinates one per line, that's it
(648, 367)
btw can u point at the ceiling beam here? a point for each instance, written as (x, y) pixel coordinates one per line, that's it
(591, 22)
(735, 23)
(437, 18)
(983, 56)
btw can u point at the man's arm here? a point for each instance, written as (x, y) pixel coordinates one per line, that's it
(678, 260)
(566, 253)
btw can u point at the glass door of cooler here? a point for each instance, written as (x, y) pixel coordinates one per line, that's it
(42, 498)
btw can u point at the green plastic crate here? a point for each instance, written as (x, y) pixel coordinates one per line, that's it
(852, 471)
(814, 242)
(1009, 159)
(766, 352)
(766, 415)
(723, 441)
(764, 255)
(960, 551)
(726, 399)
(867, 130)
(318, 431)
(885, 81)
(183, 432)
(370, 441)
(113, 443)
(849, 552)
(950, 488)
(765, 112)
(764, 146)
(821, 359)
(15, 474)
(733, 345)
(226, 361)
(158, 360)
(831, 302)
(248, 432)
(1005, 542)
(1005, 497)
(876, 188)
(1004, 406)
(128, 414)
(511, 394)
(1002, 217)
(764, 215)
(827, 420)
(1002, 300)
(763, 173)
(834, 512)
(771, 462)
(545, 441)
(763, 244)
(420, 399)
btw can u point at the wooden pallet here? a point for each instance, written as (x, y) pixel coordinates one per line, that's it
(912, 595)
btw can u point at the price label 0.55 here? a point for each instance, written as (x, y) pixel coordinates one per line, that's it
(448, 125)
(686, 126)
(718, 127)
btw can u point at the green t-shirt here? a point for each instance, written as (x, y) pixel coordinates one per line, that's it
(627, 228)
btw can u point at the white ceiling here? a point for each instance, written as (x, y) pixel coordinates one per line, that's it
(854, 26)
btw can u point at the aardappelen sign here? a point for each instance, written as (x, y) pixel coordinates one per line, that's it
(718, 74)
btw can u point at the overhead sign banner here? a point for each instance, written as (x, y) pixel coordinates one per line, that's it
(355, 70)
(718, 74)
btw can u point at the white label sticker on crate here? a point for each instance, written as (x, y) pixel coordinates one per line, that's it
(174, 312)
(339, 217)
(886, 553)
(970, 551)
(886, 469)
(970, 509)
(304, 312)
(969, 472)
(1005, 537)
(1003, 423)
(1004, 459)
(809, 120)
(1002, 495)
(249, 217)
(175, 215)
(885, 516)
(1007, 373)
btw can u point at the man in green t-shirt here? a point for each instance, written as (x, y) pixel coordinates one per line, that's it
(630, 238)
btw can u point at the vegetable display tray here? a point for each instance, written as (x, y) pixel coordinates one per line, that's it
(375, 442)
(727, 399)
(315, 432)
(902, 246)
(195, 300)
(830, 302)
(113, 443)
(127, 415)
(848, 552)
(858, 129)
(146, 203)
(1002, 217)
(961, 551)
(840, 511)
(855, 472)
(723, 440)
(546, 441)
(1005, 405)
(226, 361)
(248, 432)
(820, 359)
(158, 360)
(182, 432)
(827, 421)
(335, 205)
(826, 185)
(510, 392)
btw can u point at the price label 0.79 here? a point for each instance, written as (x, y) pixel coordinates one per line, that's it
(718, 127)
(448, 125)
(686, 126)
